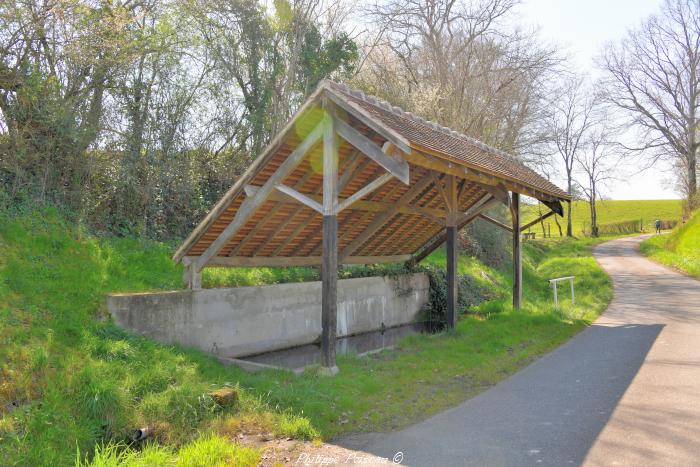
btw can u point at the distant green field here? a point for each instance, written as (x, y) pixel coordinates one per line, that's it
(611, 211)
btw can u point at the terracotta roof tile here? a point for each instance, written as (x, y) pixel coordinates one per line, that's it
(441, 139)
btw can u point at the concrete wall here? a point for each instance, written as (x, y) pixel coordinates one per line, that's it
(247, 320)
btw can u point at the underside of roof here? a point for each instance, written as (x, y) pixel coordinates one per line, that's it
(390, 223)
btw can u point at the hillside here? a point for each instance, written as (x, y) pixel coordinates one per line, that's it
(679, 249)
(612, 211)
(70, 381)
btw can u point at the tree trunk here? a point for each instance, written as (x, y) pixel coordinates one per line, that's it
(539, 212)
(561, 234)
(692, 175)
(569, 232)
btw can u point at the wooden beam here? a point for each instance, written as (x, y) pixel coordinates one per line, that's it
(329, 265)
(462, 188)
(251, 204)
(422, 157)
(301, 197)
(372, 122)
(452, 251)
(361, 205)
(428, 214)
(192, 278)
(452, 205)
(536, 221)
(293, 261)
(297, 186)
(555, 206)
(484, 204)
(252, 232)
(440, 189)
(517, 254)
(389, 238)
(355, 167)
(395, 166)
(382, 218)
(452, 311)
(349, 163)
(291, 127)
(498, 192)
(347, 228)
(365, 190)
(495, 222)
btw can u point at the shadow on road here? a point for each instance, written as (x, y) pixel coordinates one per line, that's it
(550, 413)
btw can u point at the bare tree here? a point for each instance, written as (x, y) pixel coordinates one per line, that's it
(569, 122)
(653, 75)
(453, 62)
(597, 163)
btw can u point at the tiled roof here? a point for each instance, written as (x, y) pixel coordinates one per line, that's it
(443, 140)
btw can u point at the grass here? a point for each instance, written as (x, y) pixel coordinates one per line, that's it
(679, 249)
(611, 211)
(70, 381)
(210, 450)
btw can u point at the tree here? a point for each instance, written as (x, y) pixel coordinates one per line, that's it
(653, 76)
(597, 162)
(57, 60)
(454, 62)
(569, 122)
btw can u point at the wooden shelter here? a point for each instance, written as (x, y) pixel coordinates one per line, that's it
(351, 179)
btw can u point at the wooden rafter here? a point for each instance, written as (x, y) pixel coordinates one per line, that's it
(536, 221)
(486, 203)
(364, 191)
(397, 167)
(250, 204)
(300, 197)
(495, 222)
(383, 217)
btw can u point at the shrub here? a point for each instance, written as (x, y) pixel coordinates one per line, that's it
(469, 294)
(622, 227)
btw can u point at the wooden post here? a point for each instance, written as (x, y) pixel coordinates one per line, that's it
(517, 253)
(329, 268)
(451, 228)
(192, 278)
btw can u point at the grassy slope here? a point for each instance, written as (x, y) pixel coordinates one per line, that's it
(614, 211)
(78, 381)
(679, 249)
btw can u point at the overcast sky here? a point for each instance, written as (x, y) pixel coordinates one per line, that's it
(583, 27)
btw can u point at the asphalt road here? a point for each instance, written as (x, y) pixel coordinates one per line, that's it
(625, 391)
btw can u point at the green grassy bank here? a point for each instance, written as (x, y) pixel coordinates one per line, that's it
(679, 249)
(70, 381)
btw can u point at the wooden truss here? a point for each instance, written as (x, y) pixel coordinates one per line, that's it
(339, 185)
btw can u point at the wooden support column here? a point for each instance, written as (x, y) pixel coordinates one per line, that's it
(192, 278)
(517, 253)
(329, 267)
(452, 251)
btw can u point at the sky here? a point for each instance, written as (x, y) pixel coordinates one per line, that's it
(583, 27)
